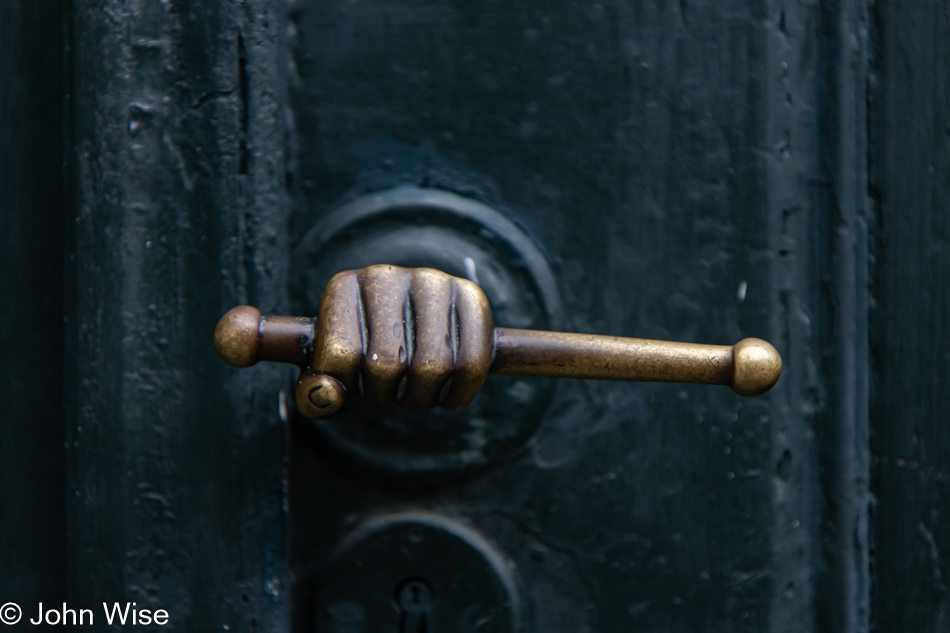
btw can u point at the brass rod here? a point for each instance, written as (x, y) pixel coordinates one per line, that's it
(564, 355)
(244, 337)
(750, 367)
(286, 339)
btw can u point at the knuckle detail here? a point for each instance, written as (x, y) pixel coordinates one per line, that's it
(386, 352)
(419, 337)
(432, 360)
(338, 348)
(474, 336)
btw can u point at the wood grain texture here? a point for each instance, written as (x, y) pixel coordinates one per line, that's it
(175, 460)
(910, 178)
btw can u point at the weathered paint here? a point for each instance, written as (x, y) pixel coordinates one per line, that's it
(665, 156)
(706, 162)
(910, 320)
(175, 461)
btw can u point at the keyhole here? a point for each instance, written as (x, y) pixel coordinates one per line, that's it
(415, 597)
(415, 602)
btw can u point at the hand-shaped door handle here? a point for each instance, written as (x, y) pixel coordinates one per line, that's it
(421, 338)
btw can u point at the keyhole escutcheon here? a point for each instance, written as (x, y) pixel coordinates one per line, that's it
(414, 598)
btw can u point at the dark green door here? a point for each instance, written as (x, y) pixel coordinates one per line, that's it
(627, 140)
(691, 171)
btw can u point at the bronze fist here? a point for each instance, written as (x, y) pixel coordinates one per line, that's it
(415, 337)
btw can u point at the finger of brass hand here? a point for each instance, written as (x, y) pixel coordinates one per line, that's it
(421, 338)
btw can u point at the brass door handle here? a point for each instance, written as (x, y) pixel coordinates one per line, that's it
(422, 338)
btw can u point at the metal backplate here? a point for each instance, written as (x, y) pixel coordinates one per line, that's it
(413, 227)
(417, 571)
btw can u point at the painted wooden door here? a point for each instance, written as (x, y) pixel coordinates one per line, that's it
(696, 171)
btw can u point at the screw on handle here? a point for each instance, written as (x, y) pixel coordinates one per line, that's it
(421, 338)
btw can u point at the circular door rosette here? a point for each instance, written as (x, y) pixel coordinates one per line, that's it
(413, 227)
(422, 572)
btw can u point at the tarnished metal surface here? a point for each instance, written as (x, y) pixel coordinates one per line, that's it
(421, 338)
(751, 366)
(415, 227)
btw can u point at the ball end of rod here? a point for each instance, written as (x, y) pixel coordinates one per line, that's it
(756, 367)
(237, 336)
